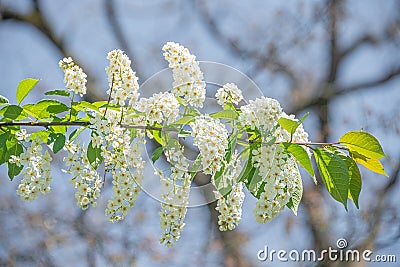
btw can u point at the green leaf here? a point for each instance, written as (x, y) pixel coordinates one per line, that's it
(370, 163)
(13, 112)
(184, 120)
(4, 138)
(231, 145)
(58, 129)
(45, 108)
(297, 194)
(24, 87)
(83, 105)
(225, 114)
(94, 155)
(3, 101)
(42, 134)
(76, 133)
(363, 143)
(100, 104)
(58, 92)
(13, 149)
(3, 147)
(3, 151)
(195, 167)
(291, 125)
(192, 112)
(255, 184)
(302, 157)
(248, 170)
(334, 173)
(157, 153)
(288, 124)
(355, 182)
(57, 140)
(158, 137)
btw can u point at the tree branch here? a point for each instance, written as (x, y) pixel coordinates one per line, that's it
(270, 60)
(116, 28)
(77, 123)
(36, 19)
(340, 91)
(382, 194)
(369, 84)
(366, 39)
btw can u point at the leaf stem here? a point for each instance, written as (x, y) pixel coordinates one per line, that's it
(109, 95)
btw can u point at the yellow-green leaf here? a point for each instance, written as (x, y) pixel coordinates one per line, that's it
(225, 114)
(24, 87)
(363, 143)
(3, 101)
(370, 163)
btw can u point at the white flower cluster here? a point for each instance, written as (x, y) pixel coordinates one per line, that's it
(188, 78)
(84, 177)
(230, 208)
(36, 174)
(159, 107)
(279, 172)
(211, 137)
(175, 197)
(229, 93)
(122, 79)
(74, 77)
(121, 157)
(262, 113)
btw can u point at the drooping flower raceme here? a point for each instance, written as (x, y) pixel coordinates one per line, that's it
(159, 107)
(262, 113)
(122, 156)
(230, 208)
(122, 79)
(74, 77)
(36, 171)
(188, 78)
(229, 93)
(175, 196)
(211, 137)
(84, 177)
(278, 170)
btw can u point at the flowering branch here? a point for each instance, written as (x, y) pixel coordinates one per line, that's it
(266, 162)
(77, 123)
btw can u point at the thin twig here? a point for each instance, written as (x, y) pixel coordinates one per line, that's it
(78, 123)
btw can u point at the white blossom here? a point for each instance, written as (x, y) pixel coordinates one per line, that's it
(122, 79)
(74, 77)
(37, 168)
(85, 178)
(188, 77)
(123, 157)
(262, 113)
(229, 93)
(159, 107)
(279, 173)
(175, 196)
(211, 137)
(230, 208)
